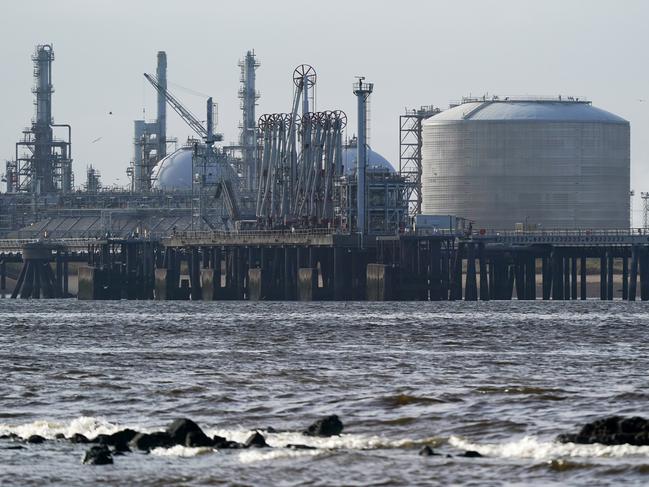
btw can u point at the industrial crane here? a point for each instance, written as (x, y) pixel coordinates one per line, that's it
(205, 133)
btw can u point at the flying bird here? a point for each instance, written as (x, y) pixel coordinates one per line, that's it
(96, 140)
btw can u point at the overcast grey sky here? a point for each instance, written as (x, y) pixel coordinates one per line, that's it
(416, 53)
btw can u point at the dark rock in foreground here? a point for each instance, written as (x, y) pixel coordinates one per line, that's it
(329, 426)
(614, 430)
(220, 442)
(300, 447)
(36, 439)
(256, 440)
(78, 438)
(149, 441)
(98, 455)
(198, 438)
(471, 454)
(180, 428)
(118, 439)
(427, 451)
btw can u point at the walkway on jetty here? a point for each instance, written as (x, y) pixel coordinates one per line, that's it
(325, 265)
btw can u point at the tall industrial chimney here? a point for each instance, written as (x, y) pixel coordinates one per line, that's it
(362, 91)
(161, 74)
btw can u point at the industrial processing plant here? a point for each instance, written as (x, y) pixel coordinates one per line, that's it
(301, 207)
(490, 163)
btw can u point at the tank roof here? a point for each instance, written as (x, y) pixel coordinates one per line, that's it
(542, 110)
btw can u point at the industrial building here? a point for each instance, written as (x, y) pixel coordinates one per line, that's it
(557, 163)
(500, 164)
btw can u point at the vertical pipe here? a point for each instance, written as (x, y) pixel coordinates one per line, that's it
(557, 276)
(644, 274)
(362, 92)
(456, 276)
(210, 122)
(519, 276)
(547, 277)
(161, 74)
(625, 277)
(484, 282)
(609, 276)
(633, 289)
(566, 277)
(3, 274)
(66, 274)
(20, 282)
(583, 281)
(573, 277)
(530, 279)
(471, 293)
(493, 286)
(602, 277)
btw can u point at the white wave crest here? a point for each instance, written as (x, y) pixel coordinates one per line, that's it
(344, 441)
(260, 455)
(532, 447)
(85, 425)
(182, 451)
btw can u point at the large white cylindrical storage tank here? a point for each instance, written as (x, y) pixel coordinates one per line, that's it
(549, 164)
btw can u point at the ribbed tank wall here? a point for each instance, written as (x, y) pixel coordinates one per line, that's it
(555, 174)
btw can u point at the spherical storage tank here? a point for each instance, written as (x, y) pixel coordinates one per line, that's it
(546, 163)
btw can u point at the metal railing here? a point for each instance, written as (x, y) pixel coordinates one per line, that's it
(217, 234)
(16, 244)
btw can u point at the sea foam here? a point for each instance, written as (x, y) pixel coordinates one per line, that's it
(85, 425)
(537, 449)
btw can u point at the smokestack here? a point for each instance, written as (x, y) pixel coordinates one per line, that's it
(362, 91)
(161, 74)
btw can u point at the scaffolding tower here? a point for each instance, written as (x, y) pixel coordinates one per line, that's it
(410, 142)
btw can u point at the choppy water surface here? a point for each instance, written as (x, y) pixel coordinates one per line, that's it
(500, 378)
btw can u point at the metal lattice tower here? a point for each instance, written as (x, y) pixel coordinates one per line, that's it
(248, 136)
(410, 142)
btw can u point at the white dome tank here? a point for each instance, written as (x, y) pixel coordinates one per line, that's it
(556, 164)
(174, 172)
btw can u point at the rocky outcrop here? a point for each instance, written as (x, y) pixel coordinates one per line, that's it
(180, 428)
(198, 438)
(471, 454)
(614, 430)
(329, 426)
(78, 438)
(98, 455)
(256, 440)
(427, 451)
(149, 441)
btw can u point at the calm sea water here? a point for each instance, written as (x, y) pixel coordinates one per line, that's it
(502, 378)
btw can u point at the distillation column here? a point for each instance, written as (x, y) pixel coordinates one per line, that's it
(362, 91)
(248, 137)
(161, 73)
(42, 174)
